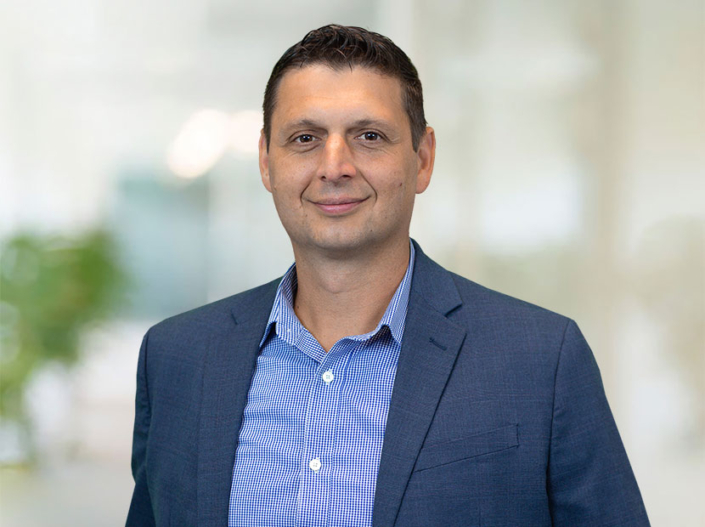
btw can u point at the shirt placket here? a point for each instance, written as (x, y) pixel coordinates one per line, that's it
(320, 437)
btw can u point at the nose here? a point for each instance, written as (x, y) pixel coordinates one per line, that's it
(336, 162)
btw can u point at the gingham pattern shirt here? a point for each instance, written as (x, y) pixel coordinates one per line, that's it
(312, 431)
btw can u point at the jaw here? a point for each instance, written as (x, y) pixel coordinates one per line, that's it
(349, 237)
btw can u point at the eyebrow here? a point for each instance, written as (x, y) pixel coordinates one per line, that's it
(375, 123)
(302, 123)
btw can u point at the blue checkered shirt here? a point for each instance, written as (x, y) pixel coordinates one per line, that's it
(313, 427)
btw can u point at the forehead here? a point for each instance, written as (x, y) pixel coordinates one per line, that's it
(318, 91)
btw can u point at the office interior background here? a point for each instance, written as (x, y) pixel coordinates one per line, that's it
(570, 173)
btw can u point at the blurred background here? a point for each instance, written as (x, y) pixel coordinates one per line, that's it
(570, 173)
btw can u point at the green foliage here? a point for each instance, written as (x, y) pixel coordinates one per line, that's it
(50, 289)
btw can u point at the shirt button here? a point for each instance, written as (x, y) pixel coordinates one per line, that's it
(315, 464)
(328, 377)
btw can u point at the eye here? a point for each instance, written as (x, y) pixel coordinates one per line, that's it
(303, 138)
(371, 136)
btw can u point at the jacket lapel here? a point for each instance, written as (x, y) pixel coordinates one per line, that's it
(429, 349)
(231, 360)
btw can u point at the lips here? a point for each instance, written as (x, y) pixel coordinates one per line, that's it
(338, 205)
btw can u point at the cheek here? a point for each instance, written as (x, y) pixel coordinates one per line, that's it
(404, 184)
(290, 179)
(287, 195)
(395, 194)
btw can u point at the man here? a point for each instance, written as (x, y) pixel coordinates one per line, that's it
(368, 386)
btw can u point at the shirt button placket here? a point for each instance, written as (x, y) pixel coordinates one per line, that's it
(321, 419)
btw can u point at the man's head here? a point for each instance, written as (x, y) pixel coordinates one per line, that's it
(341, 47)
(339, 151)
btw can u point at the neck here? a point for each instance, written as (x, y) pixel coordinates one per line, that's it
(337, 298)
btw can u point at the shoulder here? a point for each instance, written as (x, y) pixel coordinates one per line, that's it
(503, 325)
(508, 323)
(487, 304)
(478, 307)
(510, 342)
(215, 316)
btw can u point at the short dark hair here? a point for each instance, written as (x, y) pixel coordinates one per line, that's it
(340, 46)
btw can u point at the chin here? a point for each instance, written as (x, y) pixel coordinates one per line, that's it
(344, 244)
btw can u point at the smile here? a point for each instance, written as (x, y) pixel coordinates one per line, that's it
(338, 206)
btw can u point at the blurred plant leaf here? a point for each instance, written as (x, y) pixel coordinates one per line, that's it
(51, 288)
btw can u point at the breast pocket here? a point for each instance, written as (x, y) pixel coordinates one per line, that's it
(468, 447)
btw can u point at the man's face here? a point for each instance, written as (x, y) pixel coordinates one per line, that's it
(340, 165)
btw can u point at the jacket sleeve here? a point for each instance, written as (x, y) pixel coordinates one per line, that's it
(589, 480)
(140, 513)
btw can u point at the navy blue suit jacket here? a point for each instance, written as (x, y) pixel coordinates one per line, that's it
(498, 416)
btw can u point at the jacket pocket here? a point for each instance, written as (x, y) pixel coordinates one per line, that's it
(468, 447)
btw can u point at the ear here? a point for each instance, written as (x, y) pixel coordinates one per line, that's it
(264, 162)
(426, 155)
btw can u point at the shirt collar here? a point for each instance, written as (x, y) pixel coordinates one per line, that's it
(289, 329)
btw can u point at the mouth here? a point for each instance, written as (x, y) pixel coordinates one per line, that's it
(336, 206)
